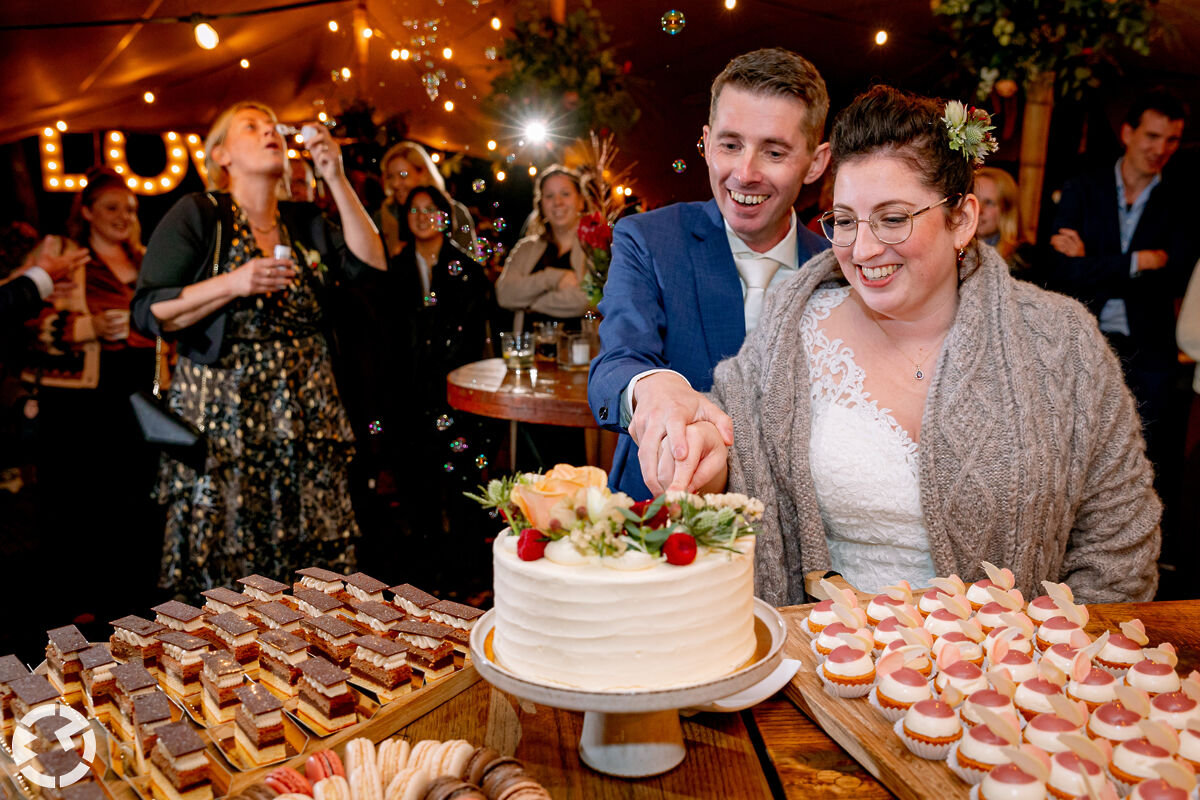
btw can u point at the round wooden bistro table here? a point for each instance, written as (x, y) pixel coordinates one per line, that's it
(544, 395)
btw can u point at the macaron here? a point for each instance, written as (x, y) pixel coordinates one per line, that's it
(360, 754)
(453, 756)
(364, 782)
(285, 780)
(478, 763)
(443, 787)
(335, 788)
(408, 784)
(527, 789)
(392, 756)
(424, 754)
(323, 764)
(501, 774)
(290, 796)
(259, 791)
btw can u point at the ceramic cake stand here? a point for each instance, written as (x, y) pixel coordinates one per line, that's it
(636, 733)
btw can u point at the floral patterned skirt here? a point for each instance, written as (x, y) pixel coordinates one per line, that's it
(274, 495)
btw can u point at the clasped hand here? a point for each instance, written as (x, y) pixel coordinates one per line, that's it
(683, 438)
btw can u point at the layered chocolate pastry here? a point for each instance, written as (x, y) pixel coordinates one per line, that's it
(333, 637)
(430, 650)
(275, 616)
(363, 587)
(11, 668)
(323, 580)
(62, 659)
(259, 728)
(460, 618)
(221, 675)
(223, 600)
(29, 692)
(131, 681)
(378, 617)
(325, 698)
(279, 659)
(178, 764)
(135, 637)
(411, 600)
(236, 635)
(180, 617)
(62, 765)
(96, 665)
(181, 661)
(84, 790)
(151, 711)
(316, 603)
(263, 589)
(46, 732)
(381, 664)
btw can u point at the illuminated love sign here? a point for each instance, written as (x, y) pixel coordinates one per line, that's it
(179, 147)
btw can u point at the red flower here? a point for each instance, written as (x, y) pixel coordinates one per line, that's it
(659, 519)
(595, 232)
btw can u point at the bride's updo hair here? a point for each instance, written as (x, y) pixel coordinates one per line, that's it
(897, 124)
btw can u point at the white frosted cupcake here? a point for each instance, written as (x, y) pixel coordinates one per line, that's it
(1133, 761)
(897, 690)
(991, 700)
(980, 750)
(888, 631)
(883, 606)
(830, 638)
(1066, 775)
(847, 672)
(1189, 746)
(1153, 677)
(1119, 654)
(1044, 730)
(1019, 642)
(1009, 782)
(1033, 697)
(963, 676)
(1061, 656)
(1174, 708)
(968, 649)
(1159, 789)
(925, 667)
(1095, 689)
(1056, 630)
(929, 729)
(942, 621)
(1114, 722)
(1042, 608)
(1020, 666)
(988, 616)
(820, 616)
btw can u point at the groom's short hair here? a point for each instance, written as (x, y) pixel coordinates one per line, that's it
(775, 71)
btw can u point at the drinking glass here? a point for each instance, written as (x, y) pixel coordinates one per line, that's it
(545, 335)
(517, 349)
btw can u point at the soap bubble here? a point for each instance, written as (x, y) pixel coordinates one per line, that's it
(430, 299)
(459, 445)
(375, 427)
(478, 185)
(460, 84)
(448, 467)
(444, 422)
(432, 91)
(510, 158)
(496, 204)
(499, 224)
(490, 54)
(441, 221)
(673, 22)
(454, 268)
(481, 461)
(679, 165)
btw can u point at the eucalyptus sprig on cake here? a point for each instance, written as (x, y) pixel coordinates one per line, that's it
(574, 504)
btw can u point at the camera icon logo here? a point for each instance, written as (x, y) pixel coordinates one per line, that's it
(23, 737)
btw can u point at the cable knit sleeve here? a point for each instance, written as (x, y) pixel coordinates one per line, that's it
(1112, 552)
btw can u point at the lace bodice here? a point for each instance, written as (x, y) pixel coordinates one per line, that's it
(864, 466)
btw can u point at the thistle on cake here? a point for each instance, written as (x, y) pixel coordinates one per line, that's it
(569, 515)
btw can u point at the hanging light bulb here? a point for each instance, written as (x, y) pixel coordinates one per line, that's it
(206, 35)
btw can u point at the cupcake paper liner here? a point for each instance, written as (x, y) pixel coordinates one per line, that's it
(1118, 673)
(970, 776)
(839, 690)
(929, 752)
(890, 714)
(974, 793)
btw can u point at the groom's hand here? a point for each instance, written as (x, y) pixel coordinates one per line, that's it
(663, 407)
(706, 467)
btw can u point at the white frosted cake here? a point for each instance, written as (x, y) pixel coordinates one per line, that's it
(619, 623)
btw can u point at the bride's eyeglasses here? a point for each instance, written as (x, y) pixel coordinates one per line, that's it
(890, 224)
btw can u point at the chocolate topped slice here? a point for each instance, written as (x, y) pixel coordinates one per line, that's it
(33, 690)
(277, 613)
(232, 624)
(184, 641)
(173, 609)
(433, 630)
(220, 664)
(47, 728)
(256, 699)
(132, 678)
(68, 639)
(151, 707)
(456, 610)
(282, 641)
(227, 597)
(380, 646)
(84, 790)
(419, 598)
(365, 583)
(263, 584)
(334, 627)
(11, 668)
(317, 573)
(96, 656)
(321, 671)
(58, 763)
(379, 611)
(178, 739)
(319, 601)
(138, 626)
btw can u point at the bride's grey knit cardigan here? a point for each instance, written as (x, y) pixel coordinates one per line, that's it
(1031, 453)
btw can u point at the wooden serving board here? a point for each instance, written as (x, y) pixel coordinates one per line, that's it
(862, 730)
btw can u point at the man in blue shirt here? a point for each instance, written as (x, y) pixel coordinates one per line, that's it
(687, 281)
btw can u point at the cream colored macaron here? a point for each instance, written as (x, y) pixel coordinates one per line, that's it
(335, 788)
(410, 783)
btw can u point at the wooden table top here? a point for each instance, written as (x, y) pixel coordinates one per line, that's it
(545, 395)
(771, 750)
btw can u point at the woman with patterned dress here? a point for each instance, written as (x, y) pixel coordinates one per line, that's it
(254, 370)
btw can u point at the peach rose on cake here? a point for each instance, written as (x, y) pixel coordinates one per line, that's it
(552, 497)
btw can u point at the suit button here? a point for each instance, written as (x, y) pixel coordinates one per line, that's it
(604, 413)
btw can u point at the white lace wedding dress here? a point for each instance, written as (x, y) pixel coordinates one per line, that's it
(864, 466)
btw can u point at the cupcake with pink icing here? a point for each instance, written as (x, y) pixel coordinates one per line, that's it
(848, 670)
(952, 672)
(1024, 777)
(1019, 666)
(945, 619)
(822, 613)
(884, 604)
(929, 729)
(1179, 708)
(983, 746)
(899, 685)
(1061, 655)
(1137, 759)
(941, 588)
(1124, 649)
(1043, 607)
(1045, 731)
(990, 614)
(1155, 674)
(1078, 769)
(1120, 719)
(1033, 696)
(1017, 629)
(1001, 579)
(914, 637)
(1092, 685)
(1062, 626)
(890, 629)
(852, 622)
(998, 700)
(1174, 782)
(1189, 744)
(968, 640)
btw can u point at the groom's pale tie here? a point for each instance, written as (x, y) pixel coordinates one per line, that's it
(757, 274)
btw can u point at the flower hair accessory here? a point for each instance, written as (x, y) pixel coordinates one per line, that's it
(970, 131)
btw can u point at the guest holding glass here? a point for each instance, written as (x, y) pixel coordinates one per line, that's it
(255, 361)
(907, 409)
(405, 166)
(542, 277)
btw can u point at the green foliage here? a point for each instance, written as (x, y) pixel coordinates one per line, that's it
(1021, 39)
(570, 67)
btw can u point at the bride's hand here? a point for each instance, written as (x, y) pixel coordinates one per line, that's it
(706, 466)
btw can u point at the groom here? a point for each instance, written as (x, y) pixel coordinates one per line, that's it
(687, 281)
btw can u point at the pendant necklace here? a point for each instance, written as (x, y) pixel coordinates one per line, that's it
(919, 374)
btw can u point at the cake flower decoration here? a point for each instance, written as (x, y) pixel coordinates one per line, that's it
(970, 130)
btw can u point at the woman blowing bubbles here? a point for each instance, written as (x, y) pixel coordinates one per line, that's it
(254, 369)
(908, 409)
